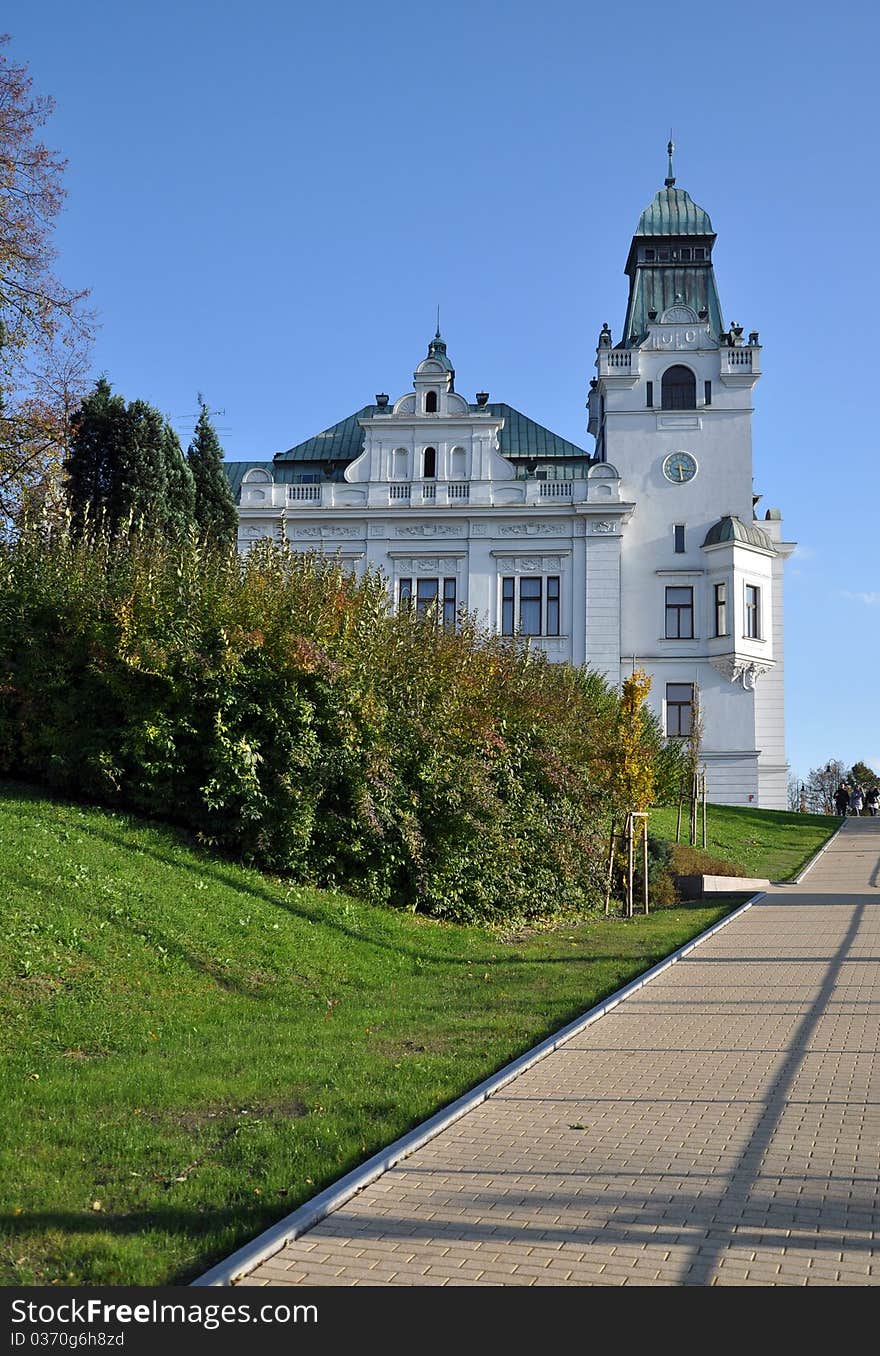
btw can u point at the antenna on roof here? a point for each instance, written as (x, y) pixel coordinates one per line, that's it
(670, 174)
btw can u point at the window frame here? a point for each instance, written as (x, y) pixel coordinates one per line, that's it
(680, 611)
(719, 608)
(679, 547)
(752, 612)
(678, 706)
(545, 592)
(670, 389)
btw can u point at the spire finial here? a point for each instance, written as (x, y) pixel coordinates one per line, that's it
(670, 173)
(437, 335)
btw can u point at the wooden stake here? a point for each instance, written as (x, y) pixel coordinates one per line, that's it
(610, 871)
(704, 810)
(629, 865)
(645, 860)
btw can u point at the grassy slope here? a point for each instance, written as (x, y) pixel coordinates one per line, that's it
(192, 1049)
(774, 844)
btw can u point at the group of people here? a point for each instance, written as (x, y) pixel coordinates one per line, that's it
(853, 799)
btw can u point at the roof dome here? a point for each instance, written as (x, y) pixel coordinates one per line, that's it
(674, 212)
(730, 528)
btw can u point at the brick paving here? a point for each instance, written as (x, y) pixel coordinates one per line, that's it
(721, 1126)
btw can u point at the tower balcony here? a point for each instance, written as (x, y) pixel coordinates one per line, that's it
(741, 365)
(618, 366)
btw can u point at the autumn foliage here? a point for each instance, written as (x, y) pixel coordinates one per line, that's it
(274, 706)
(44, 330)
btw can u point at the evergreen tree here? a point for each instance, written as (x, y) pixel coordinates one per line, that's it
(180, 489)
(215, 512)
(126, 466)
(90, 467)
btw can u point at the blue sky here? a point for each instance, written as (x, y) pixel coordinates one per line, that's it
(269, 200)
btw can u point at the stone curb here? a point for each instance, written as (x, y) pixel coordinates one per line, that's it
(265, 1245)
(781, 884)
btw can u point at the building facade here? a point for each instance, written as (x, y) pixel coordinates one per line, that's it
(644, 553)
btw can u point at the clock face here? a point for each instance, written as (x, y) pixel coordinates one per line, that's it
(680, 467)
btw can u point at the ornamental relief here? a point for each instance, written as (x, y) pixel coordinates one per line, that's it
(428, 530)
(425, 564)
(603, 527)
(538, 529)
(680, 337)
(744, 671)
(531, 564)
(330, 530)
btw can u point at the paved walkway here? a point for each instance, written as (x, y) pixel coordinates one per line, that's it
(719, 1127)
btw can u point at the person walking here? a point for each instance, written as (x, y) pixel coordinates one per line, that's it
(855, 800)
(872, 797)
(841, 799)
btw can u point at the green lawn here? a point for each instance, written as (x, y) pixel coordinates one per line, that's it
(773, 844)
(191, 1049)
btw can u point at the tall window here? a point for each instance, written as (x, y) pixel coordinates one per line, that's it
(679, 613)
(721, 609)
(678, 390)
(429, 463)
(649, 394)
(753, 612)
(707, 391)
(679, 709)
(432, 597)
(431, 402)
(678, 539)
(530, 605)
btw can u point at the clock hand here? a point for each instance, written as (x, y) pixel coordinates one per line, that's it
(680, 470)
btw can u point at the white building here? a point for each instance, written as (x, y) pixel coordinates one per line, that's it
(645, 553)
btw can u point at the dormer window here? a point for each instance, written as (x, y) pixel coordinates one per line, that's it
(429, 463)
(431, 402)
(678, 390)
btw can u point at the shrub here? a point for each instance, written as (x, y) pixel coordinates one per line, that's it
(273, 705)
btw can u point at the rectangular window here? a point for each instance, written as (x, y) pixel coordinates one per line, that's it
(527, 609)
(679, 709)
(508, 598)
(553, 605)
(753, 612)
(678, 539)
(307, 478)
(679, 613)
(649, 256)
(699, 252)
(649, 394)
(448, 602)
(708, 392)
(426, 596)
(663, 256)
(721, 609)
(530, 605)
(404, 594)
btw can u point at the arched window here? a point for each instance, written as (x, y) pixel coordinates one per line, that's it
(429, 464)
(458, 464)
(431, 402)
(679, 389)
(400, 464)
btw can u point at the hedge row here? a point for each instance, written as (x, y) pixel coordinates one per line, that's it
(272, 705)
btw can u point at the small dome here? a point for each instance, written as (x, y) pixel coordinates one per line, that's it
(437, 351)
(733, 529)
(674, 212)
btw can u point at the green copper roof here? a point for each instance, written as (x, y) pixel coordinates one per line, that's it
(674, 212)
(730, 528)
(341, 443)
(659, 276)
(522, 437)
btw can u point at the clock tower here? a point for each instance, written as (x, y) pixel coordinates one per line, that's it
(700, 576)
